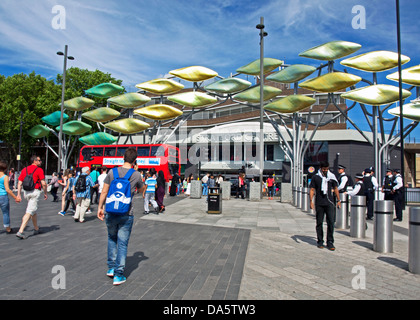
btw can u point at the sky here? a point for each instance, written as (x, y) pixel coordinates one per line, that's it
(141, 40)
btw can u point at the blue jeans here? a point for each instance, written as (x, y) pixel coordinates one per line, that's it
(4, 205)
(205, 189)
(119, 230)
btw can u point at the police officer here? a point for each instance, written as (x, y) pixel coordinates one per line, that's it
(387, 185)
(358, 188)
(344, 180)
(370, 184)
(398, 191)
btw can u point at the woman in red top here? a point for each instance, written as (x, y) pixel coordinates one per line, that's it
(270, 187)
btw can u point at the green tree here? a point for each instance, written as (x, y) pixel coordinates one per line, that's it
(35, 97)
(78, 80)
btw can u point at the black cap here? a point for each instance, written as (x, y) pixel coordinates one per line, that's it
(359, 176)
(341, 166)
(367, 170)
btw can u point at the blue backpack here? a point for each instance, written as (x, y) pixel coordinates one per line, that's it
(118, 200)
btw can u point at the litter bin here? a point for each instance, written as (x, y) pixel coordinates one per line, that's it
(414, 241)
(342, 216)
(214, 200)
(358, 217)
(382, 225)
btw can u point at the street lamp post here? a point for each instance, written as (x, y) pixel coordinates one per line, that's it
(400, 96)
(261, 26)
(60, 135)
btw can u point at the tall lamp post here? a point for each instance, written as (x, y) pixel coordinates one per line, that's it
(60, 135)
(397, 2)
(263, 34)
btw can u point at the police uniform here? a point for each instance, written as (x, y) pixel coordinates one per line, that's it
(387, 186)
(369, 193)
(358, 188)
(398, 189)
(344, 180)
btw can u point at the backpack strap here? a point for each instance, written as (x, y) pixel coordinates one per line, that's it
(115, 172)
(129, 174)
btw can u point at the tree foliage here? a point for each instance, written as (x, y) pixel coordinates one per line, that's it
(36, 97)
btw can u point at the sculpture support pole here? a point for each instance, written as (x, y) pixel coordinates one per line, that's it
(261, 27)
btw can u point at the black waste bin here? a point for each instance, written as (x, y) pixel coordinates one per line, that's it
(214, 200)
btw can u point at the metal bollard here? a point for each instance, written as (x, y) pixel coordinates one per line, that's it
(294, 192)
(358, 217)
(382, 225)
(299, 197)
(414, 241)
(305, 199)
(342, 216)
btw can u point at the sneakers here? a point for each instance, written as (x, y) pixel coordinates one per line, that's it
(62, 213)
(21, 235)
(110, 273)
(118, 280)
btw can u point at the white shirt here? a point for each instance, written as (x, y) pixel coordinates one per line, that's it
(355, 190)
(398, 181)
(101, 179)
(344, 180)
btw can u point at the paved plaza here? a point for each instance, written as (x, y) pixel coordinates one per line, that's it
(252, 251)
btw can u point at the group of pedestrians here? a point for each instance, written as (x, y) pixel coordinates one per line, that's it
(326, 189)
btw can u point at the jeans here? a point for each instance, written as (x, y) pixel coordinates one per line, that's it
(5, 208)
(205, 189)
(329, 212)
(119, 231)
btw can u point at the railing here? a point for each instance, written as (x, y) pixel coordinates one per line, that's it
(412, 195)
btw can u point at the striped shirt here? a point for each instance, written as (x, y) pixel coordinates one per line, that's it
(151, 185)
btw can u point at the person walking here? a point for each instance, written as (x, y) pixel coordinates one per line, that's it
(5, 191)
(149, 192)
(398, 191)
(219, 180)
(81, 194)
(12, 179)
(32, 179)
(204, 181)
(101, 180)
(119, 226)
(54, 186)
(270, 187)
(95, 189)
(241, 185)
(160, 190)
(67, 194)
(321, 185)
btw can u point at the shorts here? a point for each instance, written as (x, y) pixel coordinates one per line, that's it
(32, 197)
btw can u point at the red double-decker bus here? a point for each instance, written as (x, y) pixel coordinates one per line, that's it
(159, 156)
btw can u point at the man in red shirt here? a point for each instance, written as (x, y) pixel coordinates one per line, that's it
(32, 196)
